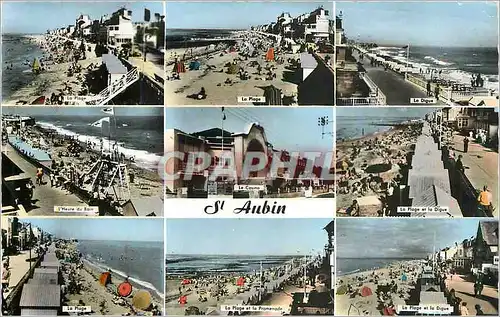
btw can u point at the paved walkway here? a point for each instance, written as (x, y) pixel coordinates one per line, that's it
(481, 166)
(44, 196)
(19, 267)
(465, 291)
(397, 91)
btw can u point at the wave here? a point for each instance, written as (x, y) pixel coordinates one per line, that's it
(104, 268)
(350, 272)
(473, 65)
(142, 158)
(437, 61)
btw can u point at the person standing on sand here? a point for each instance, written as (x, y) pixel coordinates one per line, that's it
(466, 144)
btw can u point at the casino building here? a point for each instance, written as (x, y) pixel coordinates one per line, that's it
(215, 141)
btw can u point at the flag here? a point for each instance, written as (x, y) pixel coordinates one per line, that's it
(406, 46)
(147, 15)
(108, 111)
(99, 122)
(224, 116)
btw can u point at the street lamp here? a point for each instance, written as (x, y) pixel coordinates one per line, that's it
(323, 122)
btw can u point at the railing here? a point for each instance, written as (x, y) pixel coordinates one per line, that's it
(356, 101)
(115, 88)
(374, 90)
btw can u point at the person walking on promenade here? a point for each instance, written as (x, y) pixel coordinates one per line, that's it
(428, 88)
(479, 311)
(436, 91)
(459, 164)
(485, 201)
(464, 311)
(478, 285)
(466, 144)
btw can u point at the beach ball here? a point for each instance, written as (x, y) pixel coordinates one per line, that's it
(124, 289)
(142, 300)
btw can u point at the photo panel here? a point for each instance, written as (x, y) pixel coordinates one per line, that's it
(249, 162)
(249, 53)
(69, 266)
(83, 53)
(417, 162)
(403, 266)
(82, 161)
(264, 267)
(424, 53)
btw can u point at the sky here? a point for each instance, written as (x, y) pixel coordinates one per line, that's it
(444, 24)
(404, 112)
(233, 15)
(215, 236)
(393, 238)
(287, 128)
(38, 17)
(112, 229)
(83, 111)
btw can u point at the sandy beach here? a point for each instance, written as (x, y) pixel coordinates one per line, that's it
(75, 167)
(146, 182)
(387, 289)
(208, 292)
(103, 300)
(223, 87)
(54, 77)
(366, 165)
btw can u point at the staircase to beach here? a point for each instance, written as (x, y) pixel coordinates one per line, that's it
(115, 88)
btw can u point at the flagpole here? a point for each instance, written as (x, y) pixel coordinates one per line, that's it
(407, 60)
(222, 138)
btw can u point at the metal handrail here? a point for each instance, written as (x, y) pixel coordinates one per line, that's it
(115, 88)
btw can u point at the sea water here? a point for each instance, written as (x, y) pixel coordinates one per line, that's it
(208, 264)
(141, 261)
(137, 136)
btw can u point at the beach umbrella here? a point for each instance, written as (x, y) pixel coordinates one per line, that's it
(342, 289)
(142, 300)
(125, 289)
(186, 282)
(366, 291)
(104, 278)
(39, 101)
(240, 281)
(404, 278)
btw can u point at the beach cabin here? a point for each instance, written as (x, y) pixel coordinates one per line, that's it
(40, 299)
(115, 68)
(50, 265)
(50, 257)
(46, 274)
(308, 64)
(144, 207)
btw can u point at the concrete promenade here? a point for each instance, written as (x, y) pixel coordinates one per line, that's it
(397, 90)
(465, 291)
(481, 166)
(44, 197)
